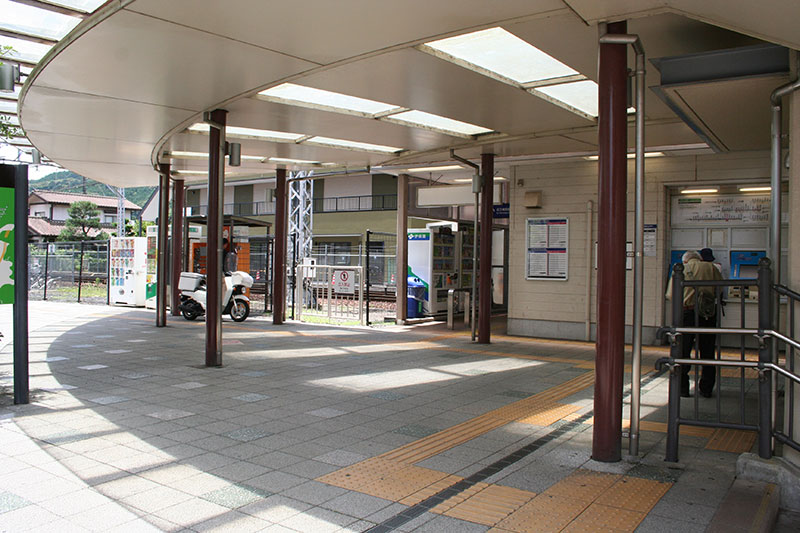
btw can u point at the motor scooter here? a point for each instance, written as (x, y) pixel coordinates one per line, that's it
(194, 291)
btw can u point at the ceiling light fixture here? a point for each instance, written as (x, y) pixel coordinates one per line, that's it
(759, 188)
(351, 145)
(709, 190)
(289, 93)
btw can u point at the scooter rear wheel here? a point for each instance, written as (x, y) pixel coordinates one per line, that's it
(240, 310)
(188, 315)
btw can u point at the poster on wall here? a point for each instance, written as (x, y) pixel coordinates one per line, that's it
(727, 209)
(6, 245)
(547, 241)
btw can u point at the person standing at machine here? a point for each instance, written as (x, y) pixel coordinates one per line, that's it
(699, 310)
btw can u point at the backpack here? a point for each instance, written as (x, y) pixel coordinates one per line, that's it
(706, 303)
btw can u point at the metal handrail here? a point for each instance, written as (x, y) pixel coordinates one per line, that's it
(786, 291)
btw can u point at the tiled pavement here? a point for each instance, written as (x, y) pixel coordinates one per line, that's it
(314, 429)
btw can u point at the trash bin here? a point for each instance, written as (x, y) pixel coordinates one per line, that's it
(416, 295)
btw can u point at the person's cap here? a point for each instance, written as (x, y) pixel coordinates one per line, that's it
(707, 254)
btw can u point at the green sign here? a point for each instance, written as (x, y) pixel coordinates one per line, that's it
(6, 245)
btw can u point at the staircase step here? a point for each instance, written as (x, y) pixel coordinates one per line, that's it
(749, 506)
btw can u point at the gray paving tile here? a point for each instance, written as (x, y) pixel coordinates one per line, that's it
(246, 434)
(251, 397)
(234, 496)
(415, 430)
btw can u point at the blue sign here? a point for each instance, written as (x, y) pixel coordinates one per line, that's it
(501, 210)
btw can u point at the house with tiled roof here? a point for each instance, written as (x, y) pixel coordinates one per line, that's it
(47, 213)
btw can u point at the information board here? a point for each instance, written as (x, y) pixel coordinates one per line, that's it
(722, 209)
(547, 254)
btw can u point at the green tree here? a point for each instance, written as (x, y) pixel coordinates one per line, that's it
(83, 217)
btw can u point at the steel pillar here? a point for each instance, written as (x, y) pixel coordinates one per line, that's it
(485, 259)
(279, 250)
(161, 247)
(216, 188)
(401, 277)
(178, 200)
(611, 216)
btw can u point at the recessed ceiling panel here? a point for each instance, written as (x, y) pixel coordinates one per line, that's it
(65, 112)
(416, 80)
(324, 31)
(142, 59)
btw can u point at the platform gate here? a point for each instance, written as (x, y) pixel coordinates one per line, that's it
(330, 294)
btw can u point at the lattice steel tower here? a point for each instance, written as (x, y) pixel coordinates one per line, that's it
(301, 210)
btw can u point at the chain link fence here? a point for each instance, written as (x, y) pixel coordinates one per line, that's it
(68, 271)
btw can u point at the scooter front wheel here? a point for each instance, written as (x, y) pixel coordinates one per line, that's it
(240, 310)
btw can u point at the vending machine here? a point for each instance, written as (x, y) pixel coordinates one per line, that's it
(432, 259)
(126, 284)
(152, 261)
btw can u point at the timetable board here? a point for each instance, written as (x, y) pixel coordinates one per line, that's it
(547, 253)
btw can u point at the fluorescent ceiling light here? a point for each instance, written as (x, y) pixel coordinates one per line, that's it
(469, 180)
(437, 123)
(279, 136)
(578, 96)
(760, 188)
(501, 53)
(318, 98)
(34, 21)
(293, 161)
(177, 154)
(352, 145)
(250, 133)
(435, 169)
(190, 172)
(708, 190)
(630, 155)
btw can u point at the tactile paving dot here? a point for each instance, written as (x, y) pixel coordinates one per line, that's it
(583, 485)
(402, 483)
(430, 490)
(544, 513)
(732, 440)
(634, 494)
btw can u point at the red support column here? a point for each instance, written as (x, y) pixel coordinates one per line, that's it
(279, 249)
(161, 254)
(611, 217)
(216, 188)
(485, 250)
(401, 276)
(178, 196)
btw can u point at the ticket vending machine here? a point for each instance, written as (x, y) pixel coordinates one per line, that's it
(127, 271)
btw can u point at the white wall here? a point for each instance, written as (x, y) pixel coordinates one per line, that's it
(557, 308)
(348, 186)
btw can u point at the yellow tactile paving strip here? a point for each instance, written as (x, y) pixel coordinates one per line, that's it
(485, 504)
(543, 405)
(732, 440)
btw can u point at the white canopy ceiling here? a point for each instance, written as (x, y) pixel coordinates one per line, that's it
(116, 95)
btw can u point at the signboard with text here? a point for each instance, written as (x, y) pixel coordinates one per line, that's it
(7, 267)
(547, 254)
(344, 281)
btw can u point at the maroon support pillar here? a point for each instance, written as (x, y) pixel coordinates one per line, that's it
(178, 196)
(401, 275)
(216, 187)
(279, 249)
(611, 216)
(485, 250)
(161, 254)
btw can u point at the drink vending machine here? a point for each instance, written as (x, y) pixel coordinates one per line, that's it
(127, 271)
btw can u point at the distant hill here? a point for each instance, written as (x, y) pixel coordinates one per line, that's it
(66, 181)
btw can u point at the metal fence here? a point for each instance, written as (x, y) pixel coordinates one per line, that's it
(261, 270)
(380, 266)
(330, 294)
(68, 271)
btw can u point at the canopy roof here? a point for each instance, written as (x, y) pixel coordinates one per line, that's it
(322, 85)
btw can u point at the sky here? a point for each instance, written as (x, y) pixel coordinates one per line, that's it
(11, 155)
